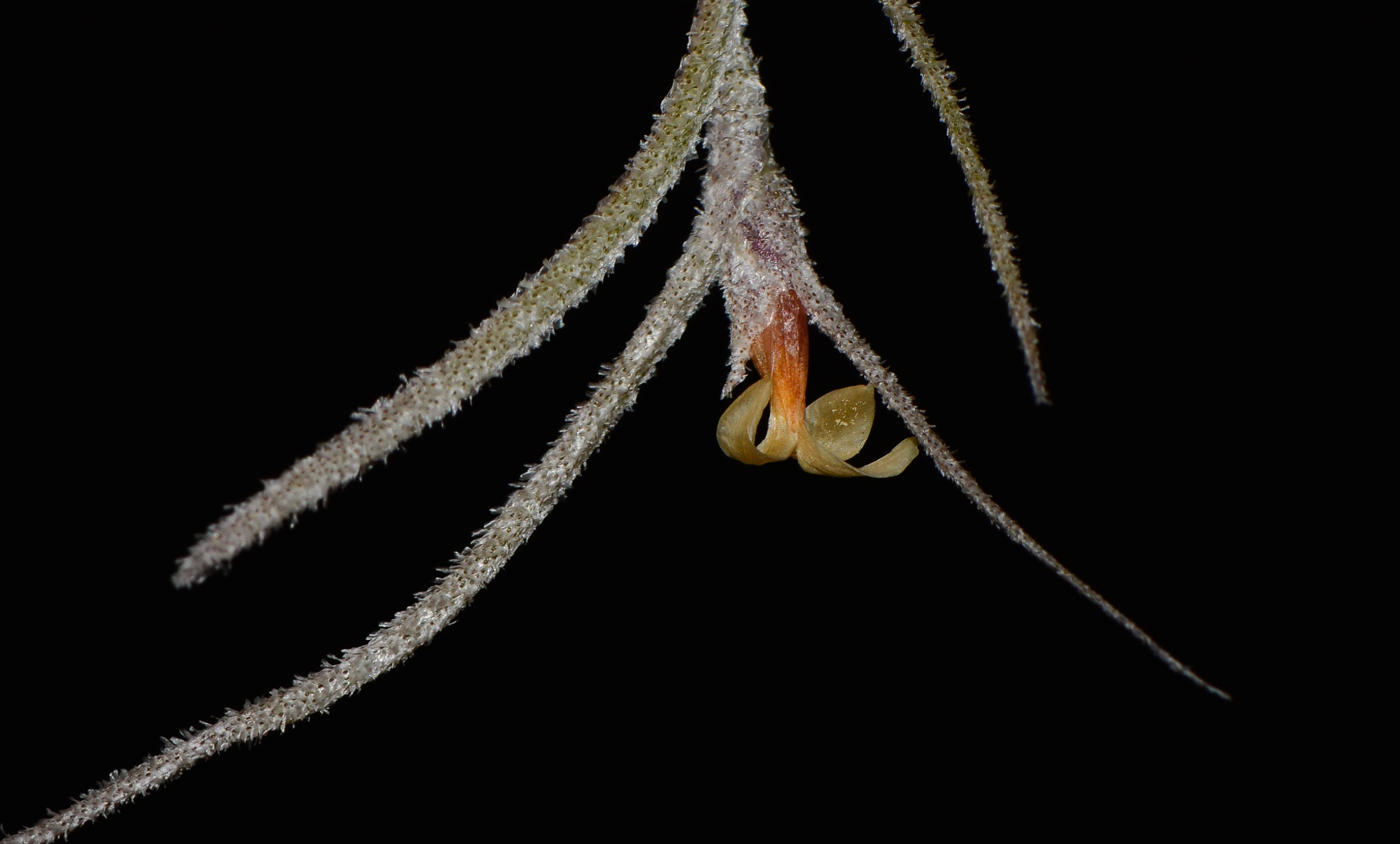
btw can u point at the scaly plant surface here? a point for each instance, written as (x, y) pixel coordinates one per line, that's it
(746, 239)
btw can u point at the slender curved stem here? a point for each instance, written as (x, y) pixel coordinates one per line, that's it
(415, 626)
(519, 324)
(774, 194)
(835, 325)
(938, 81)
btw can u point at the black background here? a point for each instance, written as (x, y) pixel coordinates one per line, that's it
(252, 225)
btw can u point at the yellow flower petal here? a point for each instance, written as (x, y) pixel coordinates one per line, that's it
(893, 463)
(839, 424)
(738, 425)
(841, 420)
(834, 429)
(817, 460)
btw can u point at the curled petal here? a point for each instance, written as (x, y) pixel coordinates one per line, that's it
(841, 420)
(834, 428)
(738, 425)
(816, 459)
(838, 425)
(893, 463)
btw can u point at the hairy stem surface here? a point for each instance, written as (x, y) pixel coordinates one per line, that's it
(519, 324)
(415, 626)
(938, 81)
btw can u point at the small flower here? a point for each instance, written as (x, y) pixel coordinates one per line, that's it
(824, 434)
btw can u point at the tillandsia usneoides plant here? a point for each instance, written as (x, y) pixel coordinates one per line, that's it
(323, 210)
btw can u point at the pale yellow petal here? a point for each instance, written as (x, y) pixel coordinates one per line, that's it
(814, 458)
(893, 463)
(780, 439)
(780, 442)
(738, 425)
(841, 420)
